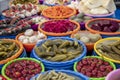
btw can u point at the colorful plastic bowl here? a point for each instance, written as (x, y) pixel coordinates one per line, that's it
(27, 46)
(103, 40)
(49, 65)
(101, 78)
(114, 75)
(90, 46)
(58, 17)
(104, 34)
(32, 59)
(16, 54)
(110, 15)
(59, 34)
(77, 75)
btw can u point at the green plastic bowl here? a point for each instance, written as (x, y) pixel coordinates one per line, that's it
(4, 67)
(102, 78)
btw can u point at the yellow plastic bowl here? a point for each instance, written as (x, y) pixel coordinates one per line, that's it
(102, 40)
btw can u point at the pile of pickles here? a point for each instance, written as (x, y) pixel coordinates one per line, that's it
(59, 50)
(7, 49)
(52, 75)
(23, 1)
(110, 50)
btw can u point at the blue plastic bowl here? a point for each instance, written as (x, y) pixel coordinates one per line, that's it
(2, 17)
(107, 36)
(68, 36)
(79, 76)
(24, 54)
(59, 65)
(116, 64)
(9, 37)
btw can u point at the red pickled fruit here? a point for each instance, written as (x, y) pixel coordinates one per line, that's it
(94, 67)
(23, 70)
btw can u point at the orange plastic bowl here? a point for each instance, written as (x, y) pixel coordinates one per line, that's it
(59, 34)
(27, 46)
(16, 54)
(52, 12)
(88, 27)
(90, 46)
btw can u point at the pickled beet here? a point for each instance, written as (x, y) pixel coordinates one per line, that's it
(94, 67)
(22, 70)
(58, 26)
(106, 26)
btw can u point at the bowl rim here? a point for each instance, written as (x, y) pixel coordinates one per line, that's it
(17, 54)
(66, 71)
(59, 17)
(59, 34)
(101, 78)
(101, 32)
(102, 15)
(18, 59)
(27, 44)
(59, 63)
(56, 4)
(102, 40)
(112, 73)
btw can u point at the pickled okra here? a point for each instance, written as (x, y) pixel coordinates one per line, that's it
(7, 49)
(52, 75)
(58, 50)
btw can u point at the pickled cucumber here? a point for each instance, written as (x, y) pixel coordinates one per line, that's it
(110, 50)
(52, 75)
(58, 50)
(7, 49)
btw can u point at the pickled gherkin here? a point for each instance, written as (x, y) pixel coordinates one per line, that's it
(7, 49)
(110, 50)
(59, 50)
(15, 2)
(52, 75)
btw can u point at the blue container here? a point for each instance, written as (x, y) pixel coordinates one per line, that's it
(116, 64)
(8, 37)
(68, 36)
(2, 17)
(24, 54)
(107, 36)
(78, 76)
(59, 65)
